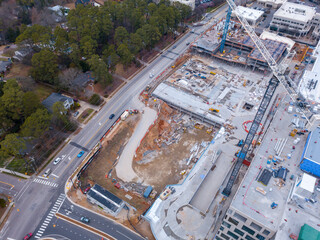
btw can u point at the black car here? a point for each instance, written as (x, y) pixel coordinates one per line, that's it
(111, 116)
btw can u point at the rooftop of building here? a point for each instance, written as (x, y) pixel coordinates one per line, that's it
(266, 183)
(53, 98)
(105, 197)
(272, 36)
(274, 1)
(296, 12)
(312, 151)
(249, 13)
(309, 85)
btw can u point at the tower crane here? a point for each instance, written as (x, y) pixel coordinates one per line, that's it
(278, 77)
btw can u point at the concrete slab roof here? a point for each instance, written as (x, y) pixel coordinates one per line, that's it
(295, 12)
(249, 13)
(275, 37)
(308, 182)
(309, 85)
(184, 100)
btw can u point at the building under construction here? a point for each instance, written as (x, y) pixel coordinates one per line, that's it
(239, 48)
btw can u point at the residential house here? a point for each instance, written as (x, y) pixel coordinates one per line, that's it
(57, 97)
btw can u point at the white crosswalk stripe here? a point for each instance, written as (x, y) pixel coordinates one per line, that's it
(44, 182)
(48, 218)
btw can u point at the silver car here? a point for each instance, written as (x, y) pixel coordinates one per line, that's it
(56, 161)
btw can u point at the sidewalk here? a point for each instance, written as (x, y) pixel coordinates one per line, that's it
(14, 173)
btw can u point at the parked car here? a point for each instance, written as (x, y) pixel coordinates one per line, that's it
(84, 219)
(28, 236)
(56, 161)
(80, 154)
(174, 47)
(76, 113)
(111, 116)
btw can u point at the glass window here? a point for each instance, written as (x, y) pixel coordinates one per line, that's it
(233, 235)
(238, 216)
(221, 228)
(260, 237)
(233, 221)
(248, 230)
(226, 224)
(225, 236)
(249, 238)
(266, 232)
(255, 226)
(218, 238)
(236, 230)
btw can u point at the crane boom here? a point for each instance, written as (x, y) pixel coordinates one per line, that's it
(278, 70)
(278, 77)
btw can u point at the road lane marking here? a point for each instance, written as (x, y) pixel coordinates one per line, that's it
(12, 186)
(85, 226)
(49, 217)
(123, 235)
(54, 175)
(44, 182)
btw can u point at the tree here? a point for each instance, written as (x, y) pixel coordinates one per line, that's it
(95, 99)
(12, 145)
(36, 124)
(11, 35)
(36, 34)
(3, 203)
(12, 99)
(135, 43)
(5, 122)
(88, 46)
(100, 70)
(111, 57)
(61, 119)
(44, 66)
(121, 35)
(126, 56)
(66, 78)
(61, 40)
(31, 103)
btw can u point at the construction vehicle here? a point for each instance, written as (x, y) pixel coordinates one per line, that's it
(278, 77)
(240, 143)
(274, 205)
(198, 126)
(214, 110)
(293, 132)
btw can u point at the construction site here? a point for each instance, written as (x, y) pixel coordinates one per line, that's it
(215, 149)
(239, 48)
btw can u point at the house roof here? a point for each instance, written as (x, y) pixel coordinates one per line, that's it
(82, 79)
(4, 65)
(105, 197)
(53, 98)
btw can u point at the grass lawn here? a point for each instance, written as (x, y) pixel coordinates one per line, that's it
(43, 91)
(85, 114)
(18, 165)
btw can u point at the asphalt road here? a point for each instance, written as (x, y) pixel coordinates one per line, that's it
(37, 195)
(72, 231)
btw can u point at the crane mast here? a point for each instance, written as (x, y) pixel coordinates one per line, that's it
(278, 77)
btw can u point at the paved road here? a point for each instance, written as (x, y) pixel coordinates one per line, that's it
(38, 194)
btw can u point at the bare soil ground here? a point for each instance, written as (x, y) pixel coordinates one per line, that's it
(105, 91)
(18, 70)
(160, 164)
(126, 72)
